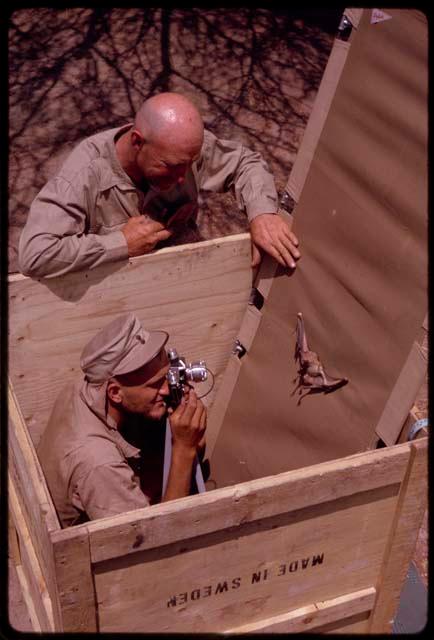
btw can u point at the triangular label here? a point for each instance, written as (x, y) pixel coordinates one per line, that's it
(379, 16)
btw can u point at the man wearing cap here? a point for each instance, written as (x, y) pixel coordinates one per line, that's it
(102, 450)
(123, 191)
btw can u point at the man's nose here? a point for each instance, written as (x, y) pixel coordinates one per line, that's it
(164, 390)
(180, 173)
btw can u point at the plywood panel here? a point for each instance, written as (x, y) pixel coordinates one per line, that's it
(198, 293)
(361, 283)
(227, 578)
(181, 519)
(238, 555)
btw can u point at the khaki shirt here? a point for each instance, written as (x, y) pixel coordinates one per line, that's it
(74, 222)
(91, 470)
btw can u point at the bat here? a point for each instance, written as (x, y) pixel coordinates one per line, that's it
(312, 375)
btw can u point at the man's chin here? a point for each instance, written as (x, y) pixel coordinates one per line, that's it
(158, 412)
(161, 186)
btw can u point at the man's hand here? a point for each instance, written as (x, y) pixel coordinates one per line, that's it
(142, 234)
(270, 233)
(188, 423)
(178, 221)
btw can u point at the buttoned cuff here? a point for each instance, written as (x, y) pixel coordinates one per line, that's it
(115, 245)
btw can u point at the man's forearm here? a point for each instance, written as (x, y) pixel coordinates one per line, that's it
(180, 473)
(55, 241)
(44, 255)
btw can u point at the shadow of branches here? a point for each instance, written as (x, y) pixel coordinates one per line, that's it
(253, 73)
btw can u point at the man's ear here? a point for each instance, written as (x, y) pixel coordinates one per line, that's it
(137, 139)
(114, 391)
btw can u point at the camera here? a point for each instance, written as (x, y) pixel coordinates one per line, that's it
(181, 374)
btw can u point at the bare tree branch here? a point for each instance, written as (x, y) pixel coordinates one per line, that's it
(252, 72)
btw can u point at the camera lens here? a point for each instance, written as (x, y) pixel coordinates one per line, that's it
(196, 372)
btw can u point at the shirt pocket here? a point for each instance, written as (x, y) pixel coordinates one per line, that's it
(113, 209)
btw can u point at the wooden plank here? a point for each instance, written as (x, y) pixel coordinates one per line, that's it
(268, 267)
(220, 404)
(197, 292)
(35, 588)
(32, 494)
(314, 615)
(74, 578)
(13, 544)
(246, 333)
(245, 574)
(402, 396)
(27, 599)
(354, 16)
(324, 98)
(356, 624)
(265, 275)
(249, 326)
(28, 467)
(258, 499)
(403, 537)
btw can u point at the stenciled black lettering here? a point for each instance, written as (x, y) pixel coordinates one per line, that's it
(171, 602)
(317, 560)
(221, 587)
(207, 591)
(235, 583)
(256, 577)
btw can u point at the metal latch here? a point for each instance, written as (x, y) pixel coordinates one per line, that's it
(287, 203)
(345, 28)
(239, 350)
(256, 298)
(416, 427)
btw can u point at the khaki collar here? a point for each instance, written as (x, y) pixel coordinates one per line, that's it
(94, 396)
(114, 174)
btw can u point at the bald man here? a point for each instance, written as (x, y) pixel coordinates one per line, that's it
(123, 191)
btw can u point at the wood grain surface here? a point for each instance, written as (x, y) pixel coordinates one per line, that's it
(198, 293)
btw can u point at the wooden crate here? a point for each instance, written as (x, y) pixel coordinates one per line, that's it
(322, 548)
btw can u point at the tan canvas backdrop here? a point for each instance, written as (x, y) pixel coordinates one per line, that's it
(362, 281)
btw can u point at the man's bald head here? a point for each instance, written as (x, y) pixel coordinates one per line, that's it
(165, 140)
(170, 117)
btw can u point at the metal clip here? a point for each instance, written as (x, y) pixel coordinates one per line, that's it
(238, 349)
(287, 203)
(256, 298)
(345, 28)
(416, 427)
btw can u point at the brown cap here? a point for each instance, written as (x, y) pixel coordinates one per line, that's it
(120, 347)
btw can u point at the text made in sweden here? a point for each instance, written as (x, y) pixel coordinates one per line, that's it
(256, 577)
